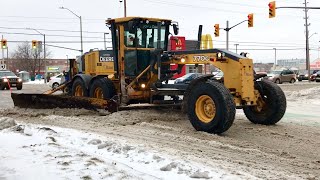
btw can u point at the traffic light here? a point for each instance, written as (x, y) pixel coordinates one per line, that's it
(216, 30)
(250, 20)
(4, 44)
(272, 9)
(34, 44)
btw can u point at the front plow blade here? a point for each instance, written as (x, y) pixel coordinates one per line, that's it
(46, 101)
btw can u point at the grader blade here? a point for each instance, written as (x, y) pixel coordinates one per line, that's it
(47, 101)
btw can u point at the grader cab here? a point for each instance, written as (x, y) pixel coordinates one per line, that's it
(137, 70)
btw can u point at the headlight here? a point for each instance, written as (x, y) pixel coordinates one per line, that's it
(183, 60)
(19, 80)
(143, 86)
(5, 80)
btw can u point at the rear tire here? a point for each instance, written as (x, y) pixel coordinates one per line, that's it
(55, 85)
(79, 89)
(102, 88)
(211, 107)
(273, 109)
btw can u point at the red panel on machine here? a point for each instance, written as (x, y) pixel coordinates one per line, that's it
(178, 43)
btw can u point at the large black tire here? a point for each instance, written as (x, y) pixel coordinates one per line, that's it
(79, 88)
(274, 108)
(105, 85)
(225, 108)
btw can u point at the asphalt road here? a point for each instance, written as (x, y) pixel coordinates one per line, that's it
(6, 101)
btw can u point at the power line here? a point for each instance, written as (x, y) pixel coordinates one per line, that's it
(53, 35)
(53, 30)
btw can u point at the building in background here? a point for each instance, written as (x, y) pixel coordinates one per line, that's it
(54, 66)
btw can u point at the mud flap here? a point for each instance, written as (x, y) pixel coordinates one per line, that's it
(46, 101)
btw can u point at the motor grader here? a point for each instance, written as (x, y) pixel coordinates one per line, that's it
(137, 70)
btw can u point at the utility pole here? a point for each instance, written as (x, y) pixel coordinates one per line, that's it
(307, 39)
(227, 29)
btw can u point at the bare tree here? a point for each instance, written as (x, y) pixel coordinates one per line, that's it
(29, 59)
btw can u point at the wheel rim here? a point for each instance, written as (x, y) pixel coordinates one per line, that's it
(261, 105)
(98, 93)
(78, 91)
(205, 109)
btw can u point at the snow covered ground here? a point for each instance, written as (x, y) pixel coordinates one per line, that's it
(158, 144)
(37, 152)
(36, 81)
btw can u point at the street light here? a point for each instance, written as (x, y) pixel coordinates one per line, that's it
(80, 26)
(44, 53)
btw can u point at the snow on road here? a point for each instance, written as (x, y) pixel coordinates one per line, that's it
(37, 152)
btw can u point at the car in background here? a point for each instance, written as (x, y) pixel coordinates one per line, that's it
(313, 75)
(281, 76)
(8, 79)
(303, 75)
(55, 81)
(187, 78)
(317, 76)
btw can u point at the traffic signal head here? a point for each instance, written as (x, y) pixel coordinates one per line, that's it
(34, 44)
(4, 44)
(216, 30)
(272, 9)
(250, 20)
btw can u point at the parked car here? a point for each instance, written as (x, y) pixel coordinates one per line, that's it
(281, 76)
(313, 75)
(8, 79)
(317, 76)
(55, 81)
(187, 78)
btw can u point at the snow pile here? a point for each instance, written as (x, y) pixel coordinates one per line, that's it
(35, 152)
(6, 122)
(311, 93)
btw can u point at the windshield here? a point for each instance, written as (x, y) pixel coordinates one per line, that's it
(146, 36)
(275, 72)
(6, 73)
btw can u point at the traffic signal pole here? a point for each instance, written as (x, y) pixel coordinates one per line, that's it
(227, 29)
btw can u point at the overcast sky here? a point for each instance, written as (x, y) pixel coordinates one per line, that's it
(286, 32)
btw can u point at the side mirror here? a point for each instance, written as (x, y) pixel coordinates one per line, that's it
(131, 27)
(175, 29)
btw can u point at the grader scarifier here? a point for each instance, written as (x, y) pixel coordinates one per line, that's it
(137, 70)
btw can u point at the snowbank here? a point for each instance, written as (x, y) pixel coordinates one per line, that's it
(6, 122)
(35, 152)
(41, 81)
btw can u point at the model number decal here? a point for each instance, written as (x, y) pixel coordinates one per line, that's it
(106, 59)
(200, 58)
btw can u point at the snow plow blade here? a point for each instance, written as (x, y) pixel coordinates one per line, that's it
(47, 101)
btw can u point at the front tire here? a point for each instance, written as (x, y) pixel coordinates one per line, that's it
(271, 106)
(19, 87)
(278, 81)
(79, 88)
(102, 88)
(211, 107)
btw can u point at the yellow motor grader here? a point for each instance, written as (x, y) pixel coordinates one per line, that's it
(137, 70)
